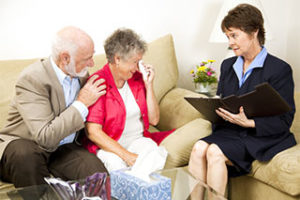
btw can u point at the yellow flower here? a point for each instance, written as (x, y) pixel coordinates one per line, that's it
(201, 69)
(204, 73)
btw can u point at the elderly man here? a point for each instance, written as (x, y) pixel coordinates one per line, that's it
(47, 112)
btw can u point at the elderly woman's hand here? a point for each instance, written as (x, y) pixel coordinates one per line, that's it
(238, 119)
(151, 73)
(130, 158)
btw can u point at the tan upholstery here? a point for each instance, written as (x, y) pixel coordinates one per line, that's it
(161, 54)
(180, 143)
(277, 179)
(9, 70)
(249, 188)
(282, 172)
(175, 111)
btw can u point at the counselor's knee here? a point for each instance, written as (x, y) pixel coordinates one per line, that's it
(197, 158)
(199, 149)
(214, 154)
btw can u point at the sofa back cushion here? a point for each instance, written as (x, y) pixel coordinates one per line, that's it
(160, 54)
(9, 71)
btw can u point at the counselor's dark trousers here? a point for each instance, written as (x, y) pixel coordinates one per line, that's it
(24, 163)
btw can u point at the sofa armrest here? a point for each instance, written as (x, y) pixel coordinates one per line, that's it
(282, 172)
(175, 111)
(179, 144)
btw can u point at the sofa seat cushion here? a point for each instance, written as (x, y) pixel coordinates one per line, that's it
(282, 172)
(179, 144)
(4, 188)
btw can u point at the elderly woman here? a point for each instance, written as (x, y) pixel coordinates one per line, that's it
(117, 124)
(239, 140)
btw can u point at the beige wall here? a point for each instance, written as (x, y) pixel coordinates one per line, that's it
(27, 26)
(293, 41)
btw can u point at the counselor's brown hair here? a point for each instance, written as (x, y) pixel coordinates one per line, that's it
(247, 18)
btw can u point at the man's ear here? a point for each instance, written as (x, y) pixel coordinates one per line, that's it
(64, 58)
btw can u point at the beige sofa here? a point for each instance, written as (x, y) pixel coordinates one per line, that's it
(175, 111)
(281, 175)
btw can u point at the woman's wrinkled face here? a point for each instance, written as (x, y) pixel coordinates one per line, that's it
(241, 42)
(127, 67)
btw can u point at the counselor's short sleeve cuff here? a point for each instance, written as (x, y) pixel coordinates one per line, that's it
(84, 111)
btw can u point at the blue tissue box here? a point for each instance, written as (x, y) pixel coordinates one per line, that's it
(126, 186)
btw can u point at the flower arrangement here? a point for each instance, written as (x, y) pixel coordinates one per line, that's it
(204, 73)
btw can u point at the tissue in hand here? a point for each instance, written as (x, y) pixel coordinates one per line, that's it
(140, 182)
(143, 70)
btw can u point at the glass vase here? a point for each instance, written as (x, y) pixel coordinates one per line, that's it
(202, 88)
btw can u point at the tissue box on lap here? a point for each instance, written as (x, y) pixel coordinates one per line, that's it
(127, 186)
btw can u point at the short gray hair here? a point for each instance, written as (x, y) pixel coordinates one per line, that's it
(61, 44)
(123, 42)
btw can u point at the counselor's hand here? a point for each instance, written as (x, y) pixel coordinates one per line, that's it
(238, 119)
(91, 91)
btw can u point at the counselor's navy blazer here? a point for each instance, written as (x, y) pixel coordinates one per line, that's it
(271, 134)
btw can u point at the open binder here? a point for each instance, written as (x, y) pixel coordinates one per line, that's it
(263, 101)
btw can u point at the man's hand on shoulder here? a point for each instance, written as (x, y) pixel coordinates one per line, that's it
(91, 91)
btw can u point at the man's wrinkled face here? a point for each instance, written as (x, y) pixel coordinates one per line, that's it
(78, 65)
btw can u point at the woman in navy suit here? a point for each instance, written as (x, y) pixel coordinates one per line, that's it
(236, 143)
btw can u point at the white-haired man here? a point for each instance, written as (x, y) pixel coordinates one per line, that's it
(48, 111)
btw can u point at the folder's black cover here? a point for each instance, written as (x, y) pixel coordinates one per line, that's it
(263, 101)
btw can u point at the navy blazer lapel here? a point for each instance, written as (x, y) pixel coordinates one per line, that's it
(247, 86)
(235, 89)
(251, 81)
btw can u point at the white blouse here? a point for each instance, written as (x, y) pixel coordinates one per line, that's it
(134, 127)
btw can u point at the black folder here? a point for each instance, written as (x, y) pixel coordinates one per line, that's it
(262, 102)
